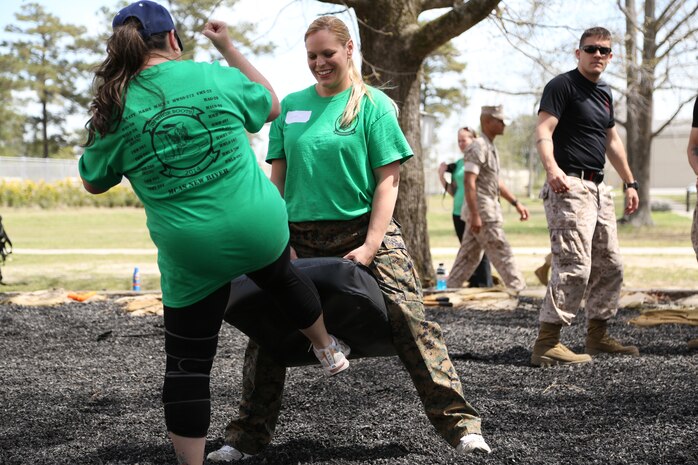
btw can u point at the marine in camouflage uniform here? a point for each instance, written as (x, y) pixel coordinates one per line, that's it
(418, 342)
(574, 135)
(482, 159)
(692, 152)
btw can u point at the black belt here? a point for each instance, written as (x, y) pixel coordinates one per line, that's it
(594, 176)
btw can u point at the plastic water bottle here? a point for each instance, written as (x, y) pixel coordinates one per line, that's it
(441, 277)
(136, 279)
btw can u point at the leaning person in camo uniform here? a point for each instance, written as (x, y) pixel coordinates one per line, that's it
(575, 131)
(692, 152)
(481, 210)
(336, 151)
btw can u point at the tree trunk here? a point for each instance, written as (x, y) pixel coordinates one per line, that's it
(44, 127)
(388, 65)
(640, 99)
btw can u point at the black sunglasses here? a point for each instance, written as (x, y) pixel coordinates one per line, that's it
(591, 49)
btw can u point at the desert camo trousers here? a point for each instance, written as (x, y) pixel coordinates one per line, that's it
(492, 240)
(694, 231)
(586, 256)
(418, 342)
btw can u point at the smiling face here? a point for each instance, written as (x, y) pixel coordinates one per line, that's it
(328, 60)
(465, 137)
(591, 65)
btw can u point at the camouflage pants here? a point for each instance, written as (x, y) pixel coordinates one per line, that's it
(694, 231)
(490, 238)
(586, 256)
(419, 343)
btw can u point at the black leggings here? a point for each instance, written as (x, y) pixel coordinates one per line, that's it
(191, 338)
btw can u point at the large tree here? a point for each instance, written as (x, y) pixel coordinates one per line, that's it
(394, 45)
(660, 41)
(49, 61)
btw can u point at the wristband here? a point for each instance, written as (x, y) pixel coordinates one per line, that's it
(514, 202)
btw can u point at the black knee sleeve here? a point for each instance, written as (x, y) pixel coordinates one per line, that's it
(185, 394)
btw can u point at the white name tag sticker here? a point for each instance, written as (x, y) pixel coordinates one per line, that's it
(298, 116)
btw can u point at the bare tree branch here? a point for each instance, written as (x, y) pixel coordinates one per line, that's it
(531, 93)
(459, 19)
(671, 8)
(351, 3)
(676, 27)
(672, 117)
(434, 4)
(629, 16)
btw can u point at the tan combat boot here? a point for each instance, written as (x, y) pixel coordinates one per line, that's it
(693, 344)
(543, 270)
(549, 351)
(598, 341)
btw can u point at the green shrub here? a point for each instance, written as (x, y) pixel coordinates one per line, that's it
(64, 193)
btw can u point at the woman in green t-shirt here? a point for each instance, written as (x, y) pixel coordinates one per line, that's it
(335, 152)
(176, 130)
(482, 276)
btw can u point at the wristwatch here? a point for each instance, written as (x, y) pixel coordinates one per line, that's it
(635, 185)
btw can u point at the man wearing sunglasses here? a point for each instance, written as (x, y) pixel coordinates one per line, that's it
(574, 134)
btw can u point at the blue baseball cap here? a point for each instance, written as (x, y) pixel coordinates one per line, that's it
(154, 18)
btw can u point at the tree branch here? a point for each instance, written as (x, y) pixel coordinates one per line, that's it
(669, 12)
(459, 19)
(350, 3)
(671, 33)
(434, 4)
(669, 121)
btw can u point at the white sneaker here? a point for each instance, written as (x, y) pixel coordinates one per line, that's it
(333, 357)
(473, 443)
(227, 454)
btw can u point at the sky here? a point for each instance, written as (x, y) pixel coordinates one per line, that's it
(491, 61)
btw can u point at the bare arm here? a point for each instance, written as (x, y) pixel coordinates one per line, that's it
(384, 198)
(92, 189)
(470, 185)
(556, 178)
(520, 208)
(448, 186)
(278, 174)
(618, 158)
(217, 32)
(692, 151)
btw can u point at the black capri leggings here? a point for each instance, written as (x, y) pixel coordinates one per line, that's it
(191, 338)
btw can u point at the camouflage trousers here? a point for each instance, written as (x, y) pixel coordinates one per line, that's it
(419, 343)
(492, 240)
(586, 256)
(694, 231)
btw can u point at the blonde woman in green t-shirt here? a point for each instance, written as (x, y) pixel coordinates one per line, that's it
(335, 152)
(177, 130)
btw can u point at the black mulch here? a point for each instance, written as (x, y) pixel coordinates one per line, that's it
(80, 384)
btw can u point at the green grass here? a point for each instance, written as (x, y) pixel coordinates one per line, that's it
(124, 228)
(669, 230)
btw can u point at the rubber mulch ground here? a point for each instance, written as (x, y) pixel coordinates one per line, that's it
(80, 384)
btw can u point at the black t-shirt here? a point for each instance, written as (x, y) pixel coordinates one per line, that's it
(695, 114)
(584, 110)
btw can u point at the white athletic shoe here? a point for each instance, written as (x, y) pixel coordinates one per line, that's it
(227, 454)
(333, 358)
(473, 443)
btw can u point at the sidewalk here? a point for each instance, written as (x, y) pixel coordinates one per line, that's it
(542, 251)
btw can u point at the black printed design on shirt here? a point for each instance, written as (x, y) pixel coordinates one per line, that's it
(181, 141)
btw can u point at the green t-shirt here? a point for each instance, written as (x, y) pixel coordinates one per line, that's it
(211, 211)
(329, 169)
(457, 181)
